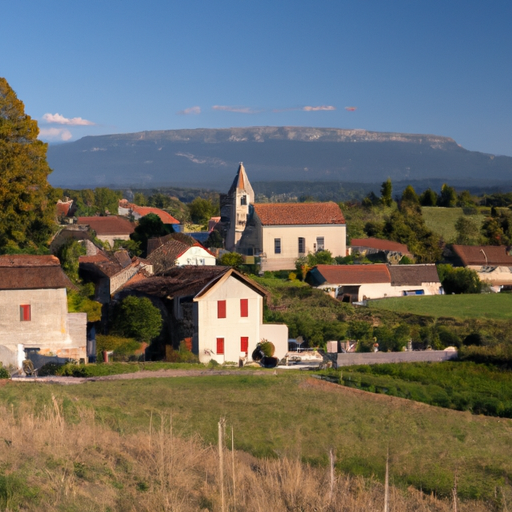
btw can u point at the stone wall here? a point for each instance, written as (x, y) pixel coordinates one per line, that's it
(395, 357)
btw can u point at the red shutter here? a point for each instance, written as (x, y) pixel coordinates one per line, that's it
(221, 309)
(220, 345)
(244, 345)
(244, 307)
(25, 313)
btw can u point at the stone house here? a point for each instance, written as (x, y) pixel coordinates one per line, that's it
(220, 309)
(128, 209)
(393, 252)
(109, 228)
(34, 310)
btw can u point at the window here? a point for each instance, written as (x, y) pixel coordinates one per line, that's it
(320, 243)
(277, 246)
(302, 245)
(220, 346)
(244, 307)
(244, 345)
(25, 313)
(243, 200)
(221, 309)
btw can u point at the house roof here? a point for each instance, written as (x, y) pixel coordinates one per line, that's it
(285, 214)
(381, 245)
(155, 243)
(64, 207)
(413, 275)
(100, 264)
(484, 255)
(241, 181)
(188, 281)
(27, 272)
(165, 217)
(109, 225)
(349, 274)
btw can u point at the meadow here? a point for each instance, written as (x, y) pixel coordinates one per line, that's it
(442, 220)
(286, 422)
(495, 306)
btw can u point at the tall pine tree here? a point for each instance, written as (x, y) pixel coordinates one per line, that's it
(26, 214)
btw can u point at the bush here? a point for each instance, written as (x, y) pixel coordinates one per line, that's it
(119, 345)
(4, 374)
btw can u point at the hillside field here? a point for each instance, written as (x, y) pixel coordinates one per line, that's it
(285, 415)
(496, 306)
(442, 220)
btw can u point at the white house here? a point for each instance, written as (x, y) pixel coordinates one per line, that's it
(219, 309)
(34, 311)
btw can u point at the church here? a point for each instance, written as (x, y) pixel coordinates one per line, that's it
(279, 233)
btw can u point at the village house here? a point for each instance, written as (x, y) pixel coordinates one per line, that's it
(176, 250)
(110, 228)
(278, 233)
(393, 252)
(219, 310)
(128, 209)
(492, 263)
(34, 310)
(354, 283)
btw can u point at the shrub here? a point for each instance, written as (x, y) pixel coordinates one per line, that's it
(118, 344)
(4, 374)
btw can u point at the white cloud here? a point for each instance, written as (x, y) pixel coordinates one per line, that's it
(316, 109)
(55, 134)
(239, 110)
(59, 119)
(189, 111)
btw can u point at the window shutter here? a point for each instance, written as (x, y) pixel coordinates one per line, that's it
(244, 345)
(221, 309)
(25, 313)
(220, 345)
(244, 307)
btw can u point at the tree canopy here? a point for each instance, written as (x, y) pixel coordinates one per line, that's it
(26, 202)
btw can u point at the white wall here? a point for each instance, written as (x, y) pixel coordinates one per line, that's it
(231, 328)
(196, 256)
(335, 240)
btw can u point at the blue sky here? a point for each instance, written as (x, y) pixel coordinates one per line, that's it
(441, 67)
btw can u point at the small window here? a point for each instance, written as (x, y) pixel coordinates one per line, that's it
(244, 307)
(277, 246)
(244, 345)
(243, 200)
(221, 309)
(25, 313)
(220, 346)
(302, 245)
(320, 243)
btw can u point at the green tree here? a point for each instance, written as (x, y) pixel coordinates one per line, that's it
(137, 318)
(459, 280)
(202, 209)
(26, 202)
(150, 226)
(231, 259)
(68, 255)
(386, 191)
(428, 198)
(107, 200)
(497, 229)
(139, 199)
(448, 197)
(467, 231)
(409, 195)
(214, 240)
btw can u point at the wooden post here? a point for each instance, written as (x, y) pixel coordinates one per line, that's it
(233, 465)
(221, 462)
(386, 484)
(454, 492)
(331, 461)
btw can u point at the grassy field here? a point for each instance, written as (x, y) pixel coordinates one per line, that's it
(293, 416)
(496, 306)
(442, 220)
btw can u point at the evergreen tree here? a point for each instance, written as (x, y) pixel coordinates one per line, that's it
(386, 191)
(448, 197)
(26, 199)
(409, 195)
(428, 198)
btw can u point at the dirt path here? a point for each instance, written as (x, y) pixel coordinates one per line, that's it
(144, 374)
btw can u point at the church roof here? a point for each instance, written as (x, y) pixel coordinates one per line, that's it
(241, 181)
(285, 214)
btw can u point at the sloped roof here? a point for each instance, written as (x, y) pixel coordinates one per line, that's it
(64, 207)
(155, 243)
(110, 225)
(381, 245)
(286, 214)
(100, 264)
(349, 274)
(165, 217)
(484, 255)
(27, 272)
(241, 181)
(413, 275)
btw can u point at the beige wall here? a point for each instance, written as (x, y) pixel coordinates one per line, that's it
(111, 238)
(48, 326)
(278, 335)
(231, 328)
(196, 256)
(335, 240)
(500, 275)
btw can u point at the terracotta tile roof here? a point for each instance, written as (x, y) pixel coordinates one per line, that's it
(377, 243)
(484, 255)
(96, 258)
(27, 272)
(165, 217)
(349, 274)
(155, 243)
(413, 275)
(100, 264)
(285, 214)
(64, 208)
(109, 225)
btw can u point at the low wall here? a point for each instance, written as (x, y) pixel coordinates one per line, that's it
(395, 357)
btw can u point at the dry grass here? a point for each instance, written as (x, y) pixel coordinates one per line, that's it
(50, 464)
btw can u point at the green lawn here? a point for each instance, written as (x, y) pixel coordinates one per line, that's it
(496, 306)
(290, 415)
(442, 220)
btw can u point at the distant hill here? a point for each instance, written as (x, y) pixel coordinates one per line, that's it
(208, 158)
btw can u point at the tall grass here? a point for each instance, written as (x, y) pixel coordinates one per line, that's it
(48, 463)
